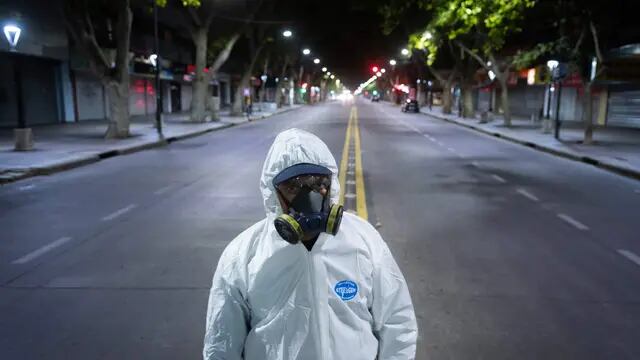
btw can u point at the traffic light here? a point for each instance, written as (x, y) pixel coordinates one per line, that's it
(374, 69)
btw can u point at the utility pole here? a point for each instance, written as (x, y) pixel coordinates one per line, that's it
(158, 67)
(557, 120)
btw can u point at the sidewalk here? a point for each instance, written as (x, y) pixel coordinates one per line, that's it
(614, 149)
(65, 146)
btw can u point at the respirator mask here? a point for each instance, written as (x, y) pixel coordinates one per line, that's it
(305, 189)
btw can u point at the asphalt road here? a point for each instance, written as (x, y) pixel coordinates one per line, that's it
(509, 253)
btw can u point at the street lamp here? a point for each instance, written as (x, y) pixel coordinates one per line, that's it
(306, 51)
(12, 33)
(553, 66)
(328, 72)
(392, 62)
(316, 61)
(405, 52)
(22, 135)
(287, 33)
(383, 70)
(378, 74)
(427, 35)
(324, 69)
(157, 65)
(333, 76)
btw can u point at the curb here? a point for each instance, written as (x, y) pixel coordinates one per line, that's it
(620, 170)
(13, 175)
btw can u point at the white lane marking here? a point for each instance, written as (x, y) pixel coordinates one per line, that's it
(26, 187)
(351, 172)
(451, 149)
(575, 223)
(350, 196)
(528, 195)
(41, 251)
(120, 212)
(162, 190)
(351, 182)
(630, 255)
(499, 178)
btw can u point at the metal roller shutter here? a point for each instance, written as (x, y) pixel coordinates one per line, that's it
(624, 108)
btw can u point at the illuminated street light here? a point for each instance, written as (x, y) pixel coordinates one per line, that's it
(12, 33)
(392, 62)
(333, 76)
(552, 64)
(316, 61)
(324, 69)
(306, 52)
(287, 33)
(427, 35)
(378, 74)
(383, 70)
(492, 75)
(328, 72)
(405, 52)
(153, 59)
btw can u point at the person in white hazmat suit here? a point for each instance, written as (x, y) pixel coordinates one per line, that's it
(301, 284)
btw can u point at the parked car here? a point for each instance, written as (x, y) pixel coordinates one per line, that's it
(410, 106)
(375, 98)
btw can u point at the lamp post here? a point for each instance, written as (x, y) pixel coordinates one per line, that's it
(158, 66)
(23, 136)
(553, 67)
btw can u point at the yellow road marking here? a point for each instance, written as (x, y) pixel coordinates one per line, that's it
(342, 174)
(361, 199)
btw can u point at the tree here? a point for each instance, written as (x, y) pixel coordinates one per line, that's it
(583, 30)
(256, 41)
(110, 65)
(481, 28)
(200, 15)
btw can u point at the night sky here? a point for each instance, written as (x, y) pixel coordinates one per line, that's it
(345, 34)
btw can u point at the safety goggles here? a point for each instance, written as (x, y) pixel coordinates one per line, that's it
(314, 182)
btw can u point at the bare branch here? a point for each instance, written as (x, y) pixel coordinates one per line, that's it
(81, 30)
(596, 41)
(194, 16)
(473, 55)
(576, 48)
(436, 74)
(224, 54)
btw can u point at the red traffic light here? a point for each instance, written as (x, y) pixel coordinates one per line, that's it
(374, 69)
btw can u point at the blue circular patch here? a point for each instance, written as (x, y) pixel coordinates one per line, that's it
(346, 289)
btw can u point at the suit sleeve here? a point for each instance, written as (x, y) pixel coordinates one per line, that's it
(394, 319)
(227, 315)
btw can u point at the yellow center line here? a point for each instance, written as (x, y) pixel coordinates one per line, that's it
(361, 199)
(342, 174)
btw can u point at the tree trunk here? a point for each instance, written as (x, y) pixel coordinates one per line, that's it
(467, 101)
(236, 109)
(281, 81)
(588, 114)
(201, 81)
(504, 101)
(263, 85)
(118, 85)
(238, 101)
(447, 102)
(118, 96)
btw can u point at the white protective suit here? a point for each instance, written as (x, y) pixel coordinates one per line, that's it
(271, 300)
